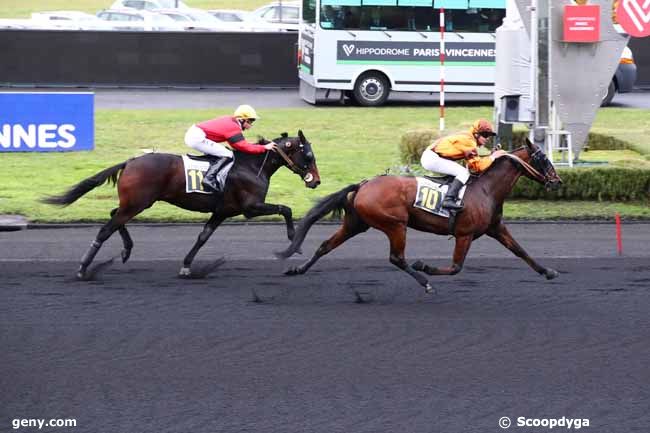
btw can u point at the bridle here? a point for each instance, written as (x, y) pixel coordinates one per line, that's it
(303, 172)
(534, 173)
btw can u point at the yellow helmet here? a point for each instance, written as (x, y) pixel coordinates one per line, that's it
(245, 112)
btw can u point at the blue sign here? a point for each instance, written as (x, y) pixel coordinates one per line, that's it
(46, 122)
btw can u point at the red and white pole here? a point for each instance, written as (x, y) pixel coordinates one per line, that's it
(619, 236)
(442, 69)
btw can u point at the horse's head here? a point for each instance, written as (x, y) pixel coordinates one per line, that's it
(299, 158)
(535, 156)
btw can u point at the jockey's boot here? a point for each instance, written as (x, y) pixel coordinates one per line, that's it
(451, 198)
(210, 182)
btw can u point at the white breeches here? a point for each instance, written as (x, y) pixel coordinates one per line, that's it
(433, 162)
(196, 139)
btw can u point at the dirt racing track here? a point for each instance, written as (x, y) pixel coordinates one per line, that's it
(139, 350)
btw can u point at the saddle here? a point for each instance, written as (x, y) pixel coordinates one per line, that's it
(211, 159)
(448, 178)
(197, 167)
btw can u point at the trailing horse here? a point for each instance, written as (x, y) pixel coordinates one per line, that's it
(155, 177)
(386, 203)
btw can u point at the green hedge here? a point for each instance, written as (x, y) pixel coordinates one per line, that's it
(593, 183)
(588, 183)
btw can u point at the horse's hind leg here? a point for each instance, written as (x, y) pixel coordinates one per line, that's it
(502, 234)
(460, 252)
(126, 240)
(208, 229)
(352, 226)
(120, 217)
(397, 237)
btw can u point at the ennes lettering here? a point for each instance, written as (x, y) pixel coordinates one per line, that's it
(194, 178)
(42, 136)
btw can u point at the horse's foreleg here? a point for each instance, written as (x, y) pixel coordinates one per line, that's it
(351, 227)
(126, 240)
(208, 229)
(397, 237)
(460, 252)
(260, 209)
(501, 234)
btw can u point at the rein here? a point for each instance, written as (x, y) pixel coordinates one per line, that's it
(529, 168)
(290, 164)
(263, 162)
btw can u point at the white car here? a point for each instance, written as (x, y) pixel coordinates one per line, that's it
(283, 15)
(230, 15)
(244, 20)
(138, 20)
(68, 20)
(148, 4)
(199, 20)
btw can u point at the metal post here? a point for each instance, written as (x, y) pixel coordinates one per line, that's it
(541, 54)
(441, 125)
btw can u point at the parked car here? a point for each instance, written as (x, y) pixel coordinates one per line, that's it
(244, 20)
(624, 77)
(284, 15)
(230, 15)
(138, 20)
(199, 20)
(148, 4)
(68, 20)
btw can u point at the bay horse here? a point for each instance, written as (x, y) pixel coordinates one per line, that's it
(155, 177)
(386, 203)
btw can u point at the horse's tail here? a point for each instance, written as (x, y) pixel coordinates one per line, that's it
(332, 203)
(110, 174)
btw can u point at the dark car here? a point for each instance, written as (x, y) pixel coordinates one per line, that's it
(624, 78)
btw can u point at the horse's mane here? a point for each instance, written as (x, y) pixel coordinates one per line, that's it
(497, 162)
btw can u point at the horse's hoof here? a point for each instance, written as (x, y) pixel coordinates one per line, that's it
(418, 266)
(184, 273)
(551, 273)
(80, 275)
(428, 289)
(125, 255)
(293, 270)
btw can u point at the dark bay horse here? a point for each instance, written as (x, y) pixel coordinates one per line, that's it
(155, 177)
(386, 203)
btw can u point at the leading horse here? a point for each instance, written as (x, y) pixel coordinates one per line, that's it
(386, 203)
(155, 177)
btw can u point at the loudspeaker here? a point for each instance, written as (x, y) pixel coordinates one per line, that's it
(510, 107)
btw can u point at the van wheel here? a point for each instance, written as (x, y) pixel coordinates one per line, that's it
(371, 90)
(611, 92)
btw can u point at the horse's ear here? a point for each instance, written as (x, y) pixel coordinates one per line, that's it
(532, 146)
(302, 136)
(284, 135)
